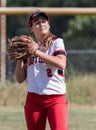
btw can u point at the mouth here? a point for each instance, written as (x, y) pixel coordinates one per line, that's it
(42, 28)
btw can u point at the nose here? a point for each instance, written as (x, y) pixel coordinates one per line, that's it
(41, 22)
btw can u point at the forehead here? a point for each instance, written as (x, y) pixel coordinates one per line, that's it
(41, 18)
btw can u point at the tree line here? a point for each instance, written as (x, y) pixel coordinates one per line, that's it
(79, 28)
(78, 31)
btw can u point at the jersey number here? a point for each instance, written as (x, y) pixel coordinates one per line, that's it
(49, 72)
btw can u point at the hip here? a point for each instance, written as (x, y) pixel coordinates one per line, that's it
(45, 100)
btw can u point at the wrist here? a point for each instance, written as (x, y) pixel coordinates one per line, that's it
(36, 52)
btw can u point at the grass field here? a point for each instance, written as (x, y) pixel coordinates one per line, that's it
(80, 118)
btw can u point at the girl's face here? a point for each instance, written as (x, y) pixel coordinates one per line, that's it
(40, 27)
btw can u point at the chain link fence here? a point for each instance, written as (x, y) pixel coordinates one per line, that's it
(82, 60)
(78, 61)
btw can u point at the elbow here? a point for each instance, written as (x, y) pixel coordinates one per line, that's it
(20, 80)
(62, 65)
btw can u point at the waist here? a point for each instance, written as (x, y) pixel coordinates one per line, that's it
(46, 95)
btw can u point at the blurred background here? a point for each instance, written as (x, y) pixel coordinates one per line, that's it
(79, 34)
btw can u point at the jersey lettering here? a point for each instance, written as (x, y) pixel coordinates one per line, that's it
(49, 72)
(35, 60)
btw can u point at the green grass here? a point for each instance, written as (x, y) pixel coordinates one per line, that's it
(12, 118)
(81, 90)
(80, 118)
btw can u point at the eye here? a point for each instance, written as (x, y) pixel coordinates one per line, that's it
(43, 20)
(37, 23)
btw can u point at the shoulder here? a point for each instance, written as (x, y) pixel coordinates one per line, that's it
(58, 42)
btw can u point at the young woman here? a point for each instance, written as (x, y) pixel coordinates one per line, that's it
(46, 90)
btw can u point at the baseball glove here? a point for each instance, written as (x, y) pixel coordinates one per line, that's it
(21, 47)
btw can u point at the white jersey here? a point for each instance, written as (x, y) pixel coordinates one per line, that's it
(45, 79)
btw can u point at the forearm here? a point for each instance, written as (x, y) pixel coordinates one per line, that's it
(58, 61)
(20, 71)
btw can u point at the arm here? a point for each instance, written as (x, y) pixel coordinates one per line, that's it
(20, 71)
(57, 61)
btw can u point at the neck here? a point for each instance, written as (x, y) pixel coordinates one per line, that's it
(44, 37)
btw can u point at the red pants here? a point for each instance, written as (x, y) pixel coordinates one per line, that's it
(40, 107)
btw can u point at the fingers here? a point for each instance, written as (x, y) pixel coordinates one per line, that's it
(22, 46)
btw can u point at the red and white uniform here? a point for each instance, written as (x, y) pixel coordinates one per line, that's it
(45, 79)
(46, 96)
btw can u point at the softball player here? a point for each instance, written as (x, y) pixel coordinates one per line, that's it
(46, 90)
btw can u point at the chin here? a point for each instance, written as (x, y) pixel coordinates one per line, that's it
(44, 33)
